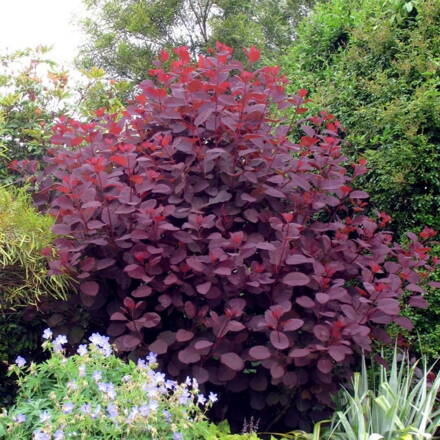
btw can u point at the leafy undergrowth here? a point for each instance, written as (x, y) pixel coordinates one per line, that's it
(95, 395)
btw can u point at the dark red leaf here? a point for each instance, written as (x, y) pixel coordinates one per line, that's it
(232, 360)
(260, 352)
(296, 279)
(89, 288)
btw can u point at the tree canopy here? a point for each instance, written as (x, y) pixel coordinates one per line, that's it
(125, 36)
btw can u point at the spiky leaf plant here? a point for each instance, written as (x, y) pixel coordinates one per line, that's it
(401, 405)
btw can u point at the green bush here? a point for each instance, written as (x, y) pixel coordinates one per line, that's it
(98, 395)
(375, 65)
(24, 236)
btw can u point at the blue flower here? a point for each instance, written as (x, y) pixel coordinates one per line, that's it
(112, 410)
(177, 436)
(19, 418)
(102, 343)
(184, 398)
(47, 334)
(68, 407)
(86, 408)
(58, 435)
(144, 410)
(40, 435)
(152, 358)
(167, 415)
(20, 361)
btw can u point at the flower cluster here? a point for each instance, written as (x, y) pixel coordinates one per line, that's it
(98, 395)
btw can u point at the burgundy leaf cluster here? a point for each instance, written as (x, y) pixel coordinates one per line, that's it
(200, 231)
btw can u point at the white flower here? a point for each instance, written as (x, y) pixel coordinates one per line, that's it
(44, 416)
(60, 339)
(47, 334)
(58, 342)
(212, 397)
(82, 350)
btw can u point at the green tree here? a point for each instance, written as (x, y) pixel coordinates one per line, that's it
(124, 36)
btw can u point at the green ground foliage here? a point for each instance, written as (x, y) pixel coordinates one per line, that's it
(375, 64)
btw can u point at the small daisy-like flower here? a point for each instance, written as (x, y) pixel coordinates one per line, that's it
(212, 397)
(68, 407)
(45, 416)
(20, 361)
(47, 334)
(82, 350)
(177, 436)
(201, 399)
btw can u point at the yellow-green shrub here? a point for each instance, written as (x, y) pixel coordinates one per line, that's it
(24, 233)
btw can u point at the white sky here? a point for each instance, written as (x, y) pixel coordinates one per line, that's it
(28, 23)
